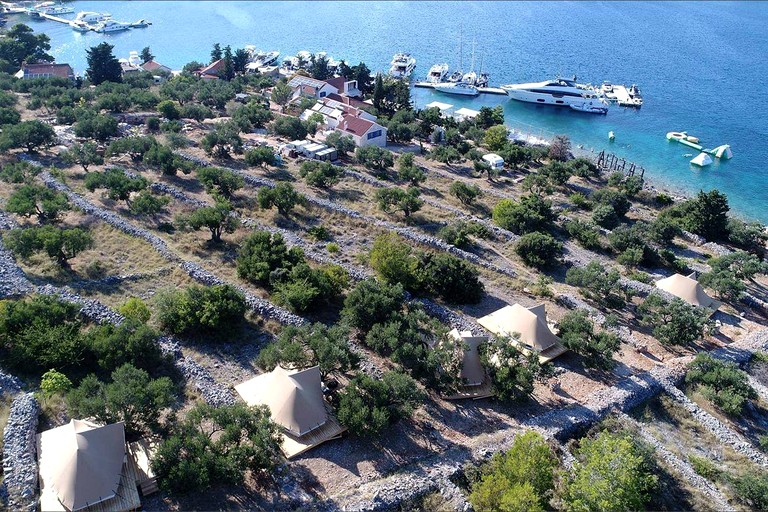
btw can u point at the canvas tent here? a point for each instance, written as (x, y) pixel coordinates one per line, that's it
(475, 382)
(531, 326)
(295, 400)
(688, 289)
(83, 465)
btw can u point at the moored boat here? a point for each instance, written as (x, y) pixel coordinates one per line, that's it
(437, 73)
(402, 65)
(111, 26)
(458, 88)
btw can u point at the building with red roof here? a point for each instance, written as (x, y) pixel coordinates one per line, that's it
(45, 70)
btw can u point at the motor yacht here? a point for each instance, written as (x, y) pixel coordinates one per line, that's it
(590, 106)
(459, 88)
(437, 73)
(561, 91)
(92, 17)
(142, 23)
(402, 65)
(54, 9)
(111, 26)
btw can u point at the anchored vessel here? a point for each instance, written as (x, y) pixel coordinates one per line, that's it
(402, 65)
(437, 73)
(559, 92)
(460, 88)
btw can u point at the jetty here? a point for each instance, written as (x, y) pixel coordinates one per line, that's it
(608, 162)
(622, 95)
(482, 90)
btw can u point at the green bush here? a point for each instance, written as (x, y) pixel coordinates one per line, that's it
(220, 181)
(283, 197)
(723, 383)
(752, 489)
(372, 302)
(705, 467)
(597, 348)
(60, 244)
(539, 250)
(54, 383)
(320, 174)
(217, 219)
(263, 253)
(511, 372)
(530, 214)
(467, 194)
(605, 216)
(459, 233)
(38, 200)
(585, 233)
(597, 284)
(198, 309)
(673, 323)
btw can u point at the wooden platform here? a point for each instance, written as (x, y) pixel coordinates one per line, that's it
(140, 454)
(293, 446)
(127, 497)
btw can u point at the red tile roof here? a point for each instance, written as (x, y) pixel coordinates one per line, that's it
(337, 82)
(355, 125)
(61, 70)
(152, 66)
(214, 68)
(347, 100)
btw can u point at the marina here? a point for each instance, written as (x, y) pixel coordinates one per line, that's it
(481, 90)
(85, 21)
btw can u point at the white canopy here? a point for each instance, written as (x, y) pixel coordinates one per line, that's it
(294, 397)
(82, 462)
(529, 323)
(467, 113)
(688, 289)
(439, 105)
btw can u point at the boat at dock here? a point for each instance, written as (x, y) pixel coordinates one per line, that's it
(458, 88)
(108, 26)
(402, 65)
(142, 23)
(91, 17)
(558, 92)
(437, 73)
(80, 26)
(622, 95)
(53, 8)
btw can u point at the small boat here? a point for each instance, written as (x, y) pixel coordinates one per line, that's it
(702, 160)
(606, 87)
(142, 23)
(589, 107)
(437, 73)
(111, 26)
(92, 17)
(80, 26)
(402, 65)
(456, 76)
(459, 88)
(53, 8)
(611, 136)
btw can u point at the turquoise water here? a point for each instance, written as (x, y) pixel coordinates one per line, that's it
(701, 66)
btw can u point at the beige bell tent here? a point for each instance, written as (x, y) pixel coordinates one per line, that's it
(688, 289)
(530, 324)
(475, 382)
(83, 465)
(295, 400)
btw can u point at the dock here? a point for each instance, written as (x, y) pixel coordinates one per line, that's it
(481, 90)
(620, 95)
(51, 17)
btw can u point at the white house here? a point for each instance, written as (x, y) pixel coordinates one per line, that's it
(309, 87)
(363, 131)
(334, 111)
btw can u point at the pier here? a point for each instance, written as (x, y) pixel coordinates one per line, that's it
(482, 90)
(620, 95)
(51, 17)
(608, 162)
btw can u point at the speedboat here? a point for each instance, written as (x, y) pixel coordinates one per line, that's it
(111, 26)
(402, 65)
(456, 76)
(590, 106)
(92, 17)
(437, 73)
(142, 23)
(80, 26)
(460, 88)
(561, 92)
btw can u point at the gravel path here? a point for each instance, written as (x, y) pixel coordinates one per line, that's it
(683, 468)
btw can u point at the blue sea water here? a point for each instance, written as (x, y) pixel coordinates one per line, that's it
(701, 66)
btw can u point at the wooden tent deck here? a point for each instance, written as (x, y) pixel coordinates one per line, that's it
(293, 446)
(484, 390)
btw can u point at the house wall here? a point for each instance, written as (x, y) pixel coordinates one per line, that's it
(376, 136)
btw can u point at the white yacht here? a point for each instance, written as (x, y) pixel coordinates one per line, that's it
(92, 17)
(54, 8)
(561, 91)
(459, 88)
(80, 26)
(437, 73)
(111, 26)
(402, 65)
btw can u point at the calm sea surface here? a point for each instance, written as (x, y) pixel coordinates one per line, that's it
(702, 67)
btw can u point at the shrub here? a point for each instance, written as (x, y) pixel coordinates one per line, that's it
(210, 309)
(459, 233)
(83, 155)
(169, 110)
(705, 467)
(19, 172)
(98, 126)
(398, 199)
(450, 278)
(539, 250)
(260, 157)
(605, 216)
(319, 233)
(217, 219)
(496, 137)
(289, 127)
(723, 383)
(130, 342)
(320, 174)
(673, 323)
(394, 261)
(192, 458)
(579, 200)
(367, 405)
(467, 194)
(263, 253)
(707, 215)
(511, 372)
(597, 284)
(612, 473)
(585, 233)
(597, 348)
(220, 181)
(29, 135)
(310, 345)
(530, 214)
(521, 479)
(38, 200)
(371, 302)
(752, 489)
(60, 244)
(408, 171)
(135, 309)
(560, 149)
(223, 140)
(375, 158)
(283, 197)
(54, 383)
(131, 397)
(149, 204)
(304, 288)
(119, 185)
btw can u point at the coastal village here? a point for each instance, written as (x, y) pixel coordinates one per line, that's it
(247, 284)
